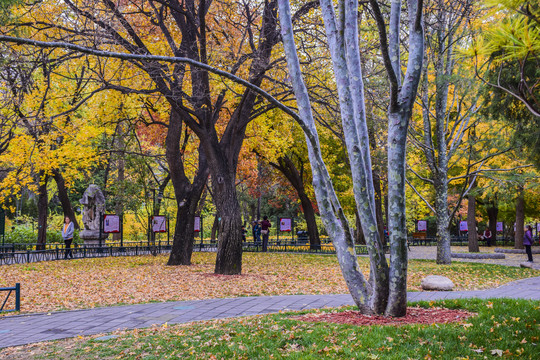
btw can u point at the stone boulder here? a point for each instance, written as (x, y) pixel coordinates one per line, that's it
(437, 282)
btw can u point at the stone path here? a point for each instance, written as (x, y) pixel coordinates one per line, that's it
(26, 329)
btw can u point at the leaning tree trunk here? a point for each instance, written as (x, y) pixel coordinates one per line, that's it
(215, 227)
(43, 209)
(520, 219)
(472, 234)
(286, 166)
(309, 214)
(187, 195)
(64, 198)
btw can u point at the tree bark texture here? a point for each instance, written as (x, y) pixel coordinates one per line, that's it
(520, 219)
(120, 166)
(472, 234)
(43, 210)
(492, 212)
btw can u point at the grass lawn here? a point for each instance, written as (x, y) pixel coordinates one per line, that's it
(85, 283)
(502, 328)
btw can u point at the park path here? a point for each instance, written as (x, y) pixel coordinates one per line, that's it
(26, 329)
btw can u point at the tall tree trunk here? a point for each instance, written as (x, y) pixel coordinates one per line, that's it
(215, 227)
(309, 214)
(119, 203)
(43, 210)
(492, 212)
(472, 234)
(520, 219)
(229, 252)
(443, 219)
(359, 238)
(64, 198)
(397, 227)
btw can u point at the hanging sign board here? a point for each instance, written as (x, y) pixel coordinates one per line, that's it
(463, 226)
(159, 224)
(422, 225)
(500, 226)
(111, 223)
(285, 224)
(197, 226)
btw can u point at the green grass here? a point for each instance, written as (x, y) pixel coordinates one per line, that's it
(506, 328)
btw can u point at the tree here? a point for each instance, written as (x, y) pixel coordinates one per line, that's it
(388, 290)
(51, 126)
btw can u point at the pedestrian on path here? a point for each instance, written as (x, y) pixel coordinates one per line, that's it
(527, 242)
(265, 231)
(487, 236)
(256, 229)
(67, 235)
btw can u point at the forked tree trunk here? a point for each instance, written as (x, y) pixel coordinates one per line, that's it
(343, 43)
(64, 198)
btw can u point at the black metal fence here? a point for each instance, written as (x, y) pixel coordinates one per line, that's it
(9, 290)
(27, 253)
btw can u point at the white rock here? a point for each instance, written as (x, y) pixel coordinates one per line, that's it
(437, 282)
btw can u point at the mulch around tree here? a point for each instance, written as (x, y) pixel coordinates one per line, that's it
(415, 315)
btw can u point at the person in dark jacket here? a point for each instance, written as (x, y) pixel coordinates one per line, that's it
(265, 231)
(67, 235)
(487, 236)
(527, 242)
(256, 229)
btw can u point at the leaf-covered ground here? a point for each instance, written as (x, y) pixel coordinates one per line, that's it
(85, 283)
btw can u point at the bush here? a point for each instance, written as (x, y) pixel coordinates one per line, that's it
(25, 235)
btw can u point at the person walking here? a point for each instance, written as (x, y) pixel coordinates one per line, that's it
(67, 235)
(527, 242)
(265, 231)
(487, 236)
(256, 229)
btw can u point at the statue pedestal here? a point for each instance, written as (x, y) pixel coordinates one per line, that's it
(91, 238)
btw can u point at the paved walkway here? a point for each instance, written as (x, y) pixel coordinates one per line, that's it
(26, 329)
(430, 253)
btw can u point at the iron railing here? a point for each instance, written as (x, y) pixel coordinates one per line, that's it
(9, 290)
